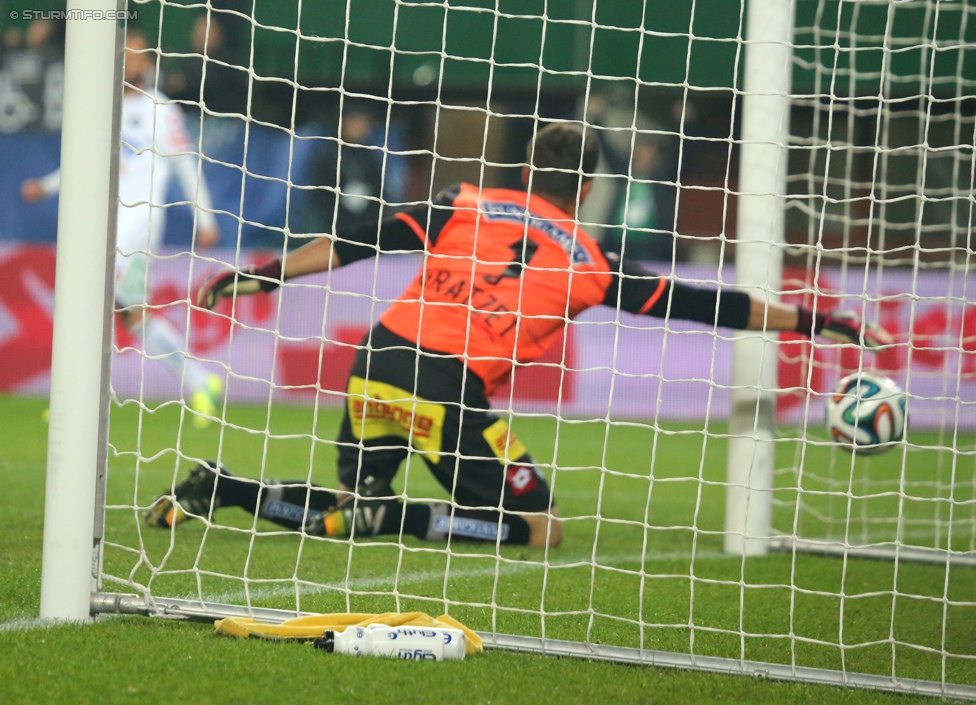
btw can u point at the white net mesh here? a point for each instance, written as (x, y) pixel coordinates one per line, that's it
(306, 119)
(879, 190)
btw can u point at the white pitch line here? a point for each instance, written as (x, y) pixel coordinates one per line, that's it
(424, 576)
(407, 578)
(26, 624)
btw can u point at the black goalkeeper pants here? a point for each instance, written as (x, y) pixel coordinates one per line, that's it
(403, 400)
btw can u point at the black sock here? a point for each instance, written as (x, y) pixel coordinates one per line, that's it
(483, 525)
(286, 505)
(238, 492)
(282, 502)
(415, 519)
(434, 522)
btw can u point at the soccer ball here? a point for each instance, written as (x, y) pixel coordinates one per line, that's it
(866, 413)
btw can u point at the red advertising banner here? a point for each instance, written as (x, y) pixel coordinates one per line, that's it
(296, 345)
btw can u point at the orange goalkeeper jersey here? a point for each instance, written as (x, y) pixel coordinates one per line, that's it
(504, 272)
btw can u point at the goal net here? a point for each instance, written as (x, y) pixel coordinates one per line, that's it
(822, 154)
(880, 176)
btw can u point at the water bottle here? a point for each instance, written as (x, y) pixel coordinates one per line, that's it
(409, 643)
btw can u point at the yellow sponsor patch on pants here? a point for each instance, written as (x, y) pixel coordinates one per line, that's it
(378, 410)
(503, 442)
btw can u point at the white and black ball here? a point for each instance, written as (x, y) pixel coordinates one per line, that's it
(866, 413)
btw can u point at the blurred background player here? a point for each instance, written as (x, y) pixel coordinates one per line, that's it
(155, 147)
(631, 210)
(348, 174)
(504, 272)
(212, 77)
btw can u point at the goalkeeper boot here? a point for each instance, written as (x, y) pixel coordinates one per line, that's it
(196, 496)
(205, 402)
(374, 512)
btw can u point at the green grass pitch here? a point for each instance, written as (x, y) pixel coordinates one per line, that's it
(640, 565)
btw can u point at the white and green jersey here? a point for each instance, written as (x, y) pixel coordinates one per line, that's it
(154, 148)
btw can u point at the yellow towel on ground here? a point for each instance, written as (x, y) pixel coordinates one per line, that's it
(313, 626)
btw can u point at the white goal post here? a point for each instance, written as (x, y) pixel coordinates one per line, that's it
(839, 182)
(80, 364)
(758, 269)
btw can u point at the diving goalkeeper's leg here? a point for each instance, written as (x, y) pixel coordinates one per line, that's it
(365, 517)
(479, 485)
(209, 486)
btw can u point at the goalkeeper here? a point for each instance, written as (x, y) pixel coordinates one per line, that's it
(504, 271)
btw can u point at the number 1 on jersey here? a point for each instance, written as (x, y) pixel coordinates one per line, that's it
(522, 253)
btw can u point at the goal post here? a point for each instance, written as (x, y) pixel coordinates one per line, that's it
(82, 344)
(758, 269)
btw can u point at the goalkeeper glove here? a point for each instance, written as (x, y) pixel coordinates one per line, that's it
(248, 281)
(845, 327)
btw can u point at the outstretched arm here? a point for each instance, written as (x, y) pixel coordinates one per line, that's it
(407, 231)
(773, 316)
(196, 191)
(838, 326)
(316, 256)
(33, 190)
(638, 291)
(324, 253)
